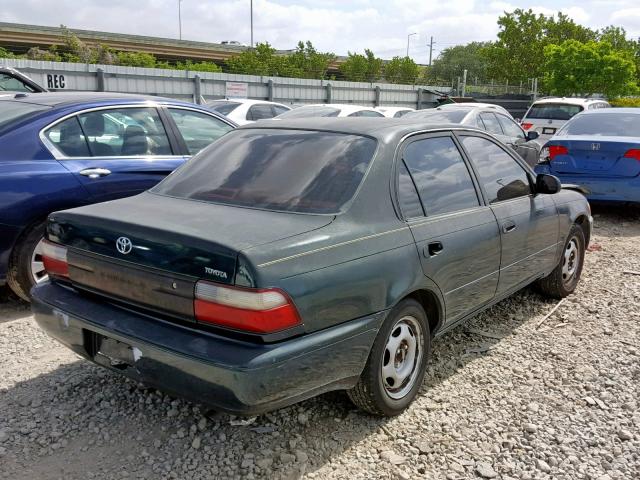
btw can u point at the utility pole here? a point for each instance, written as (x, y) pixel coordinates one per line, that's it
(408, 37)
(180, 18)
(464, 83)
(430, 50)
(251, 23)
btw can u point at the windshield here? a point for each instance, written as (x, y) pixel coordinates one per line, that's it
(225, 108)
(309, 112)
(13, 111)
(553, 111)
(9, 83)
(285, 170)
(439, 116)
(603, 125)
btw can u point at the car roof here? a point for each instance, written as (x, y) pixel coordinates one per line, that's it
(392, 109)
(383, 129)
(569, 100)
(600, 111)
(347, 107)
(57, 99)
(244, 101)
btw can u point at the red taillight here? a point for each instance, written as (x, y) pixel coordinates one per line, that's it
(555, 150)
(527, 126)
(54, 257)
(633, 153)
(248, 309)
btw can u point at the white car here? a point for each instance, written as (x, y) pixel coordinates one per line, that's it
(547, 115)
(498, 108)
(243, 110)
(331, 110)
(394, 112)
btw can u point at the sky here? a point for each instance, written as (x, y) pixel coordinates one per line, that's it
(332, 25)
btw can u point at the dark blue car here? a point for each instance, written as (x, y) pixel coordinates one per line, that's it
(63, 150)
(599, 150)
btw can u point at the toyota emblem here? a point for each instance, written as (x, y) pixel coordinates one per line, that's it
(124, 245)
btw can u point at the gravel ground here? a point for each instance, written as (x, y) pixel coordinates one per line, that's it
(506, 397)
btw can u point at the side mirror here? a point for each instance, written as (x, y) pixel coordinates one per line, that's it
(547, 184)
(532, 135)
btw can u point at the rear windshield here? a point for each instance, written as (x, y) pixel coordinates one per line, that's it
(275, 169)
(553, 111)
(309, 112)
(225, 108)
(11, 112)
(439, 116)
(603, 125)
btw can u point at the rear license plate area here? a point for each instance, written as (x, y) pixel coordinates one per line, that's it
(548, 131)
(108, 351)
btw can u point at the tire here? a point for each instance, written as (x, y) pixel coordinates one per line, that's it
(20, 277)
(383, 396)
(565, 277)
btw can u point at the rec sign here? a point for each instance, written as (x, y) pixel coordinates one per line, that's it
(55, 81)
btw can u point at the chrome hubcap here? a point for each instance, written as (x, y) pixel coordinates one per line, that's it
(38, 273)
(401, 358)
(570, 260)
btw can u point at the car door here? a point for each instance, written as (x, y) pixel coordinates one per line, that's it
(528, 222)
(455, 233)
(114, 152)
(517, 139)
(196, 129)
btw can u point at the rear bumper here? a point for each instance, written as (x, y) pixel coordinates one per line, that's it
(226, 374)
(601, 189)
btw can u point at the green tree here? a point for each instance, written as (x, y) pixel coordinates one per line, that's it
(309, 62)
(4, 53)
(577, 68)
(401, 70)
(617, 37)
(362, 68)
(198, 67)
(261, 60)
(50, 55)
(135, 59)
(454, 60)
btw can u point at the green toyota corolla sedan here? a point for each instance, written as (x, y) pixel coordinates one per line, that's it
(291, 258)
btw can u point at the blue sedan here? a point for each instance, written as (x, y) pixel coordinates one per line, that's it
(63, 150)
(599, 150)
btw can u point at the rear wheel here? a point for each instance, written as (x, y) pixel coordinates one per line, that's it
(397, 362)
(26, 267)
(565, 277)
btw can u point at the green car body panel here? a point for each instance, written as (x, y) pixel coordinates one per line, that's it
(344, 272)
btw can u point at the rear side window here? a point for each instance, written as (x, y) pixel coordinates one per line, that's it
(510, 128)
(67, 137)
(441, 176)
(275, 169)
(278, 109)
(491, 123)
(225, 108)
(366, 113)
(198, 129)
(125, 132)
(408, 198)
(500, 175)
(260, 112)
(553, 111)
(11, 112)
(607, 124)
(401, 113)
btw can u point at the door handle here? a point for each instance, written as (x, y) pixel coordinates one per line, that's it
(95, 172)
(508, 227)
(432, 249)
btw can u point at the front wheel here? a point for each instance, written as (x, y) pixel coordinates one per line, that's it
(565, 277)
(397, 362)
(26, 267)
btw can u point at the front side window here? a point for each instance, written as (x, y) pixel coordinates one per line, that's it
(198, 130)
(125, 132)
(441, 176)
(510, 128)
(67, 137)
(260, 112)
(501, 176)
(491, 123)
(301, 171)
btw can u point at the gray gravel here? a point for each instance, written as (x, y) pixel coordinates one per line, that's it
(504, 399)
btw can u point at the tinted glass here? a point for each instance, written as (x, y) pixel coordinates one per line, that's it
(125, 132)
(604, 124)
(284, 170)
(198, 129)
(442, 178)
(308, 112)
(491, 123)
(11, 112)
(500, 175)
(225, 108)
(367, 113)
(260, 112)
(439, 116)
(553, 111)
(401, 113)
(278, 109)
(9, 83)
(68, 138)
(510, 128)
(407, 194)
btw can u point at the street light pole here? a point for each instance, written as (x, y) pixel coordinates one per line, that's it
(251, 23)
(180, 17)
(408, 37)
